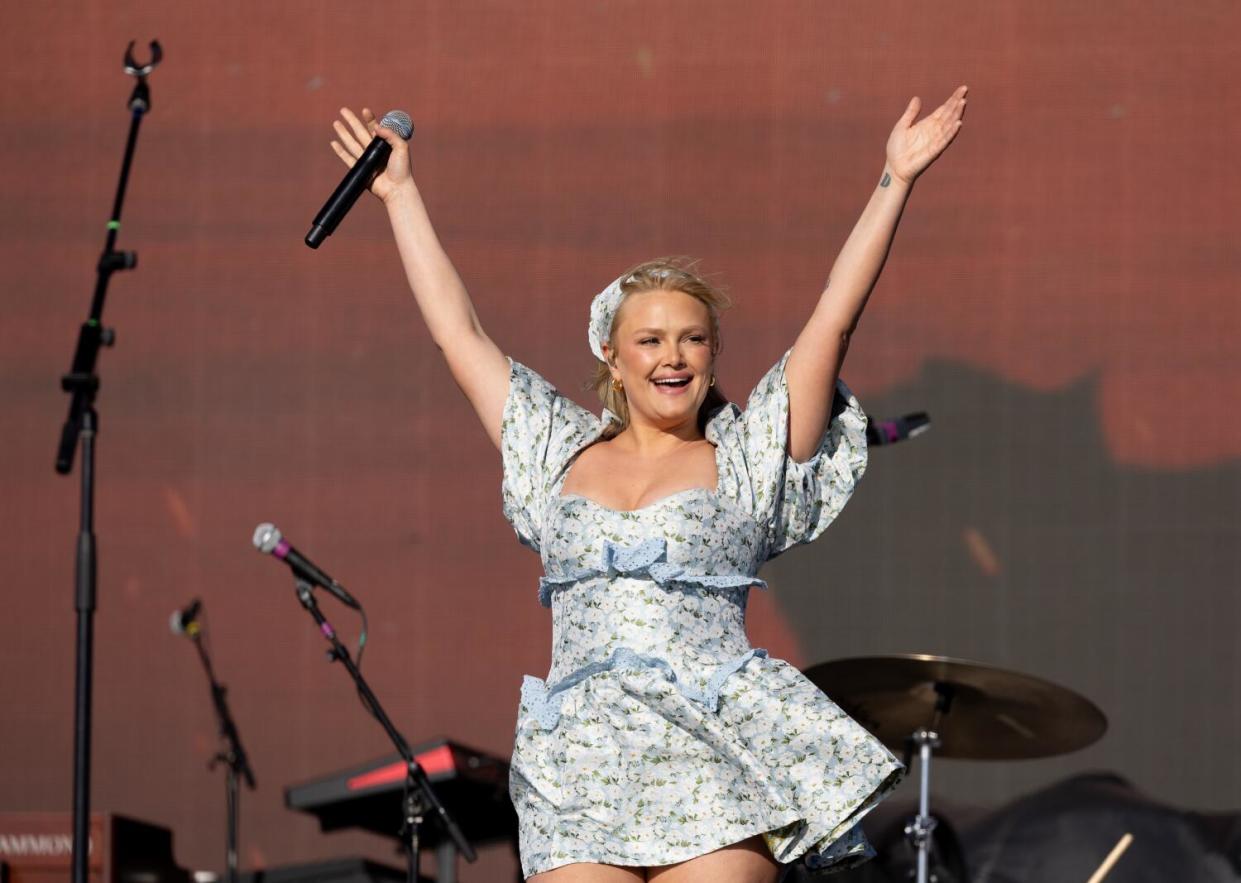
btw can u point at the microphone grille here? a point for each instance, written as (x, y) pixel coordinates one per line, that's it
(398, 121)
(266, 537)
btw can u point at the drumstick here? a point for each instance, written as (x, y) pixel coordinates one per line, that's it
(1112, 858)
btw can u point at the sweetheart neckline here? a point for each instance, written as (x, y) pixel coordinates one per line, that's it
(713, 492)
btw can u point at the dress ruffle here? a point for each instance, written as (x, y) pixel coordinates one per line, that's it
(630, 750)
(847, 851)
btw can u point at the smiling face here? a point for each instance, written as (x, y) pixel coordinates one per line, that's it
(663, 352)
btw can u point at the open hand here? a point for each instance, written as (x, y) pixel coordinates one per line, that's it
(354, 134)
(914, 146)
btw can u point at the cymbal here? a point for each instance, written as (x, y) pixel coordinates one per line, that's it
(994, 714)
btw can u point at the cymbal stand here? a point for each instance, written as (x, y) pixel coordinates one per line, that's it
(920, 831)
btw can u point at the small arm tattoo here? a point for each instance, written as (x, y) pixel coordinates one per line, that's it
(887, 179)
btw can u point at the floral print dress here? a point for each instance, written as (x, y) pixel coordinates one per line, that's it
(660, 734)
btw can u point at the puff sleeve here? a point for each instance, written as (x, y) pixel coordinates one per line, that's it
(796, 501)
(540, 432)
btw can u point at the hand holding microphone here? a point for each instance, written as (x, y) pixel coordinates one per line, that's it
(382, 165)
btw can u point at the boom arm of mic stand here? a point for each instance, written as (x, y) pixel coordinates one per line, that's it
(235, 755)
(338, 653)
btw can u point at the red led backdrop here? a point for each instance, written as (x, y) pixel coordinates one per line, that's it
(1062, 298)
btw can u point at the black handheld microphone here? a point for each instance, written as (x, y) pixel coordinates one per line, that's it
(886, 432)
(185, 622)
(358, 178)
(267, 538)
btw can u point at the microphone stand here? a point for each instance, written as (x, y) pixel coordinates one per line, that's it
(232, 755)
(420, 797)
(82, 424)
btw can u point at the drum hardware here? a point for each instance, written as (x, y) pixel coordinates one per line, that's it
(921, 828)
(956, 708)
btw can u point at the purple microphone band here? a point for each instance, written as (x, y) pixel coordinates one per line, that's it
(282, 549)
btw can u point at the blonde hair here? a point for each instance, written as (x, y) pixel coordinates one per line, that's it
(663, 274)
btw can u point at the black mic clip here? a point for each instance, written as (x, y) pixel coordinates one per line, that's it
(305, 592)
(142, 70)
(185, 621)
(140, 98)
(112, 261)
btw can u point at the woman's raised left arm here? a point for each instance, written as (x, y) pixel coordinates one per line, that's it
(820, 349)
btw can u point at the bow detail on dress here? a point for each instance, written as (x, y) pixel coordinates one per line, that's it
(647, 560)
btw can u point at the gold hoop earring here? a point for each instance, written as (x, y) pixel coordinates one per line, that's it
(617, 386)
(712, 383)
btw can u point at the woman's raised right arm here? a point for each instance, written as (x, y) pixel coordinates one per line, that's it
(476, 363)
